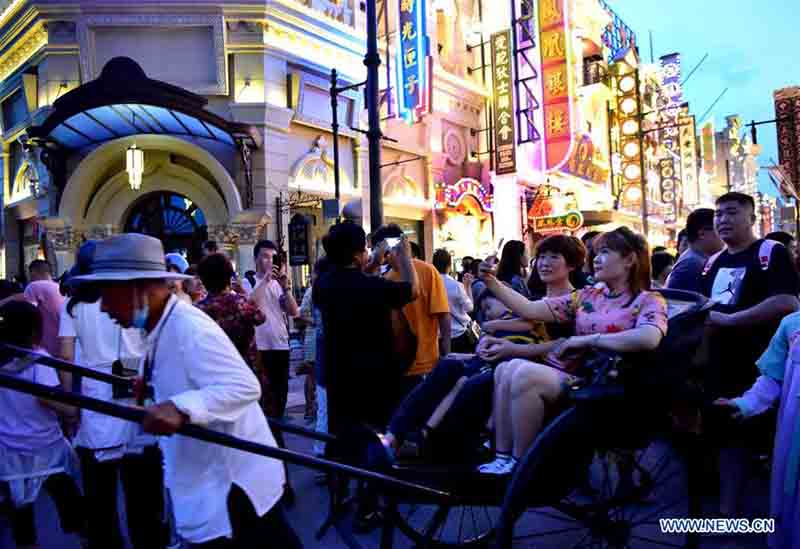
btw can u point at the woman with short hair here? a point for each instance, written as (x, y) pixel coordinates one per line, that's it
(237, 316)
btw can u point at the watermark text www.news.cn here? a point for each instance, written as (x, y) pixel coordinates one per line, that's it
(717, 526)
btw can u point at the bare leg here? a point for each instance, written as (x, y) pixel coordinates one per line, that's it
(534, 388)
(444, 406)
(501, 410)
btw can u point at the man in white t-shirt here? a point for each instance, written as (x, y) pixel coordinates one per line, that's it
(272, 294)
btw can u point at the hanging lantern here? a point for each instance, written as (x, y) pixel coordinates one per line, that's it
(134, 165)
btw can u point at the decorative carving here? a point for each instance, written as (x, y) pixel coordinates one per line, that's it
(21, 50)
(338, 10)
(402, 187)
(90, 70)
(62, 238)
(454, 147)
(314, 170)
(99, 232)
(235, 233)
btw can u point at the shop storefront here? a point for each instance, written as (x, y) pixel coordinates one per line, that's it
(464, 218)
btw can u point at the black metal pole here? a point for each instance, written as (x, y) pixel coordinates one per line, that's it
(335, 131)
(642, 174)
(137, 415)
(90, 373)
(373, 61)
(63, 365)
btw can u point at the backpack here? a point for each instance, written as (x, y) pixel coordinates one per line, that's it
(764, 255)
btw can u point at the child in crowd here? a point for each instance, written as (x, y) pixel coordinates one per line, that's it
(33, 450)
(779, 381)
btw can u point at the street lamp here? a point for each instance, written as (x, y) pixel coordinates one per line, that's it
(134, 165)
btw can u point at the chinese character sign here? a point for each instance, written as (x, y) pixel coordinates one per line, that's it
(571, 221)
(412, 55)
(688, 145)
(669, 116)
(787, 111)
(504, 135)
(556, 82)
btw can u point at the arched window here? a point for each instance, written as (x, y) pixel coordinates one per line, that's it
(172, 218)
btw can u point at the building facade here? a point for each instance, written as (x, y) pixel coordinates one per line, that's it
(502, 121)
(228, 101)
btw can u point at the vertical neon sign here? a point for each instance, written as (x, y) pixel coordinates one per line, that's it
(503, 98)
(554, 44)
(412, 59)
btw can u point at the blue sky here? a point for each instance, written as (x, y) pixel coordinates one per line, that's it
(753, 49)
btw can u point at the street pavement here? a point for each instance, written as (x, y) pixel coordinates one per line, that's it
(310, 510)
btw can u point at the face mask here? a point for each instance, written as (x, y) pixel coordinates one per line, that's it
(140, 315)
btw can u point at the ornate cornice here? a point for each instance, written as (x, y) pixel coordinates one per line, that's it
(86, 24)
(22, 50)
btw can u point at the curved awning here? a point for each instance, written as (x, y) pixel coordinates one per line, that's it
(123, 101)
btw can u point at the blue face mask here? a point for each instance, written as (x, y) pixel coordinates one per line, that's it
(140, 315)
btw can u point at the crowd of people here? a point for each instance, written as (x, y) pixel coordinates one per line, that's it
(401, 357)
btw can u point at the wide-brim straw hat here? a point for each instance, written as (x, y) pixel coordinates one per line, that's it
(129, 256)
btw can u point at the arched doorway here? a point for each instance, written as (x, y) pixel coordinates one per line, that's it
(172, 218)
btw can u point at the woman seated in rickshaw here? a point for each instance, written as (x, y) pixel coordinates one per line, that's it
(557, 259)
(619, 315)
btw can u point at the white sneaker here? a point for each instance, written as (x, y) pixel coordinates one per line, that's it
(502, 465)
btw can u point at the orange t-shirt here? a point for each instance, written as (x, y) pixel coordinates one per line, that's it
(421, 312)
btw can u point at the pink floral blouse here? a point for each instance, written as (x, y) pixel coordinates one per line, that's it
(594, 312)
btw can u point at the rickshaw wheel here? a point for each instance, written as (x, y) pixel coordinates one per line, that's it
(442, 526)
(617, 504)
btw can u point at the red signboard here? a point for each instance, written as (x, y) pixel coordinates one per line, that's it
(554, 48)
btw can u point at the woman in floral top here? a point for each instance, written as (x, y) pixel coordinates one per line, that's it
(237, 316)
(620, 315)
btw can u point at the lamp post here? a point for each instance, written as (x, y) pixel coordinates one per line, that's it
(372, 60)
(134, 165)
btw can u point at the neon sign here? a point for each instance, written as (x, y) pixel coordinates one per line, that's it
(688, 145)
(504, 135)
(571, 221)
(554, 45)
(670, 167)
(452, 195)
(581, 162)
(412, 59)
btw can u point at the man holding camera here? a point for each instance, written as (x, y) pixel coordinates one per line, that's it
(272, 294)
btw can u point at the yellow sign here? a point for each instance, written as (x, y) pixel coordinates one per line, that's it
(571, 221)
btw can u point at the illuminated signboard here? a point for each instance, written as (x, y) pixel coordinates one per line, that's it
(571, 221)
(787, 111)
(504, 135)
(688, 143)
(709, 148)
(670, 108)
(554, 45)
(581, 163)
(452, 195)
(617, 36)
(412, 59)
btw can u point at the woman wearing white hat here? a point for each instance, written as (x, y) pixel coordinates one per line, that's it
(198, 377)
